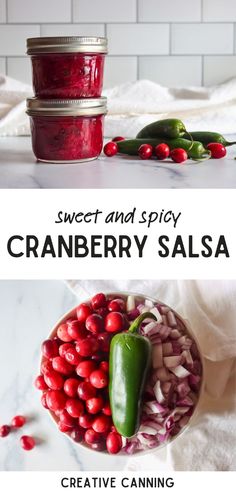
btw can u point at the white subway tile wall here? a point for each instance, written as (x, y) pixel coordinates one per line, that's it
(3, 11)
(189, 42)
(169, 10)
(171, 71)
(2, 65)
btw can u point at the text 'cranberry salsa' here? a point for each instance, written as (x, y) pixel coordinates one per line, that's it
(75, 374)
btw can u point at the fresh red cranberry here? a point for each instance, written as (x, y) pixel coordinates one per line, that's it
(87, 347)
(92, 436)
(54, 380)
(66, 419)
(97, 357)
(217, 150)
(162, 151)
(18, 421)
(86, 391)
(94, 323)
(74, 407)
(145, 151)
(104, 366)
(44, 400)
(63, 348)
(62, 333)
(114, 322)
(106, 409)
(178, 155)
(104, 340)
(118, 138)
(56, 400)
(71, 387)
(27, 443)
(114, 443)
(86, 420)
(83, 311)
(49, 348)
(46, 366)
(76, 330)
(101, 424)
(94, 405)
(72, 357)
(102, 312)
(99, 379)
(98, 301)
(85, 368)
(77, 434)
(110, 149)
(116, 305)
(40, 383)
(99, 446)
(62, 366)
(4, 430)
(64, 428)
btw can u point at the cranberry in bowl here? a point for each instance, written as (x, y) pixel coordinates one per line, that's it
(102, 347)
(67, 67)
(67, 131)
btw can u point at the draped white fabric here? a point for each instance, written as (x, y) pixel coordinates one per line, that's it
(133, 105)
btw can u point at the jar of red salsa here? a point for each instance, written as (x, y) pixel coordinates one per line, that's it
(67, 131)
(67, 67)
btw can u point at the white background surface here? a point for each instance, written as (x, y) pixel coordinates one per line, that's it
(18, 169)
(198, 35)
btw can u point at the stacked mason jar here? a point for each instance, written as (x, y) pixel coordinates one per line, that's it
(67, 112)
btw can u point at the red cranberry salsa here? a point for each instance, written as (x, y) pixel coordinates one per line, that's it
(66, 130)
(74, 374)
(67, 67)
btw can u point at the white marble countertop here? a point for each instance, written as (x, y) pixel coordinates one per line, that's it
(18, 169)
(28, 311)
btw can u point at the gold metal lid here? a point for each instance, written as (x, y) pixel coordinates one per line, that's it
(66, 44)
(72, 108)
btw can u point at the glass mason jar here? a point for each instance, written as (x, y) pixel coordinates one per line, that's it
(67, 130)
(67, 67)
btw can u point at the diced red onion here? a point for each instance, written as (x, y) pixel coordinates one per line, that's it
(163, 309)
(185, 402)
(175, 334)
(155, 407)
(158, 392)
(157, 356)
(172, 361)
(180, 371)
(133, 314)
(187, 357)
(171, 319)
(183, 388)
(162, 374)
(151, 329)
(156, 313)
(149, 304)
(130, 303)
(167, 349)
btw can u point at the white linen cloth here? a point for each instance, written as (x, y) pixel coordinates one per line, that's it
(133, 105)
(210, 308)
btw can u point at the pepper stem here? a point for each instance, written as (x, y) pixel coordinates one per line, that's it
(229, 143)
(134, 327)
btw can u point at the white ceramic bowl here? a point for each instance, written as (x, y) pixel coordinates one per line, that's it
(140, 298)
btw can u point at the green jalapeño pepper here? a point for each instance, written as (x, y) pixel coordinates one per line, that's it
(195, 149)
(166, 128)
(129, 362)
(208, 137)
